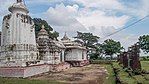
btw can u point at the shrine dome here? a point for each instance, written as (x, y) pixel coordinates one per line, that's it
(43, 32)
(18, 6)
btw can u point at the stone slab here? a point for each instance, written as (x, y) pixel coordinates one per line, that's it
(31, 70)
(23, 71)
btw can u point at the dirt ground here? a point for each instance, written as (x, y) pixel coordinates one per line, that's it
(90, 74)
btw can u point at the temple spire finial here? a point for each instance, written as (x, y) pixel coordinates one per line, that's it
(65, 37)
(42, 26)
(19, 1)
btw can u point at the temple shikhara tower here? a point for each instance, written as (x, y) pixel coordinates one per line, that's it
(18, 44)
(50, 51)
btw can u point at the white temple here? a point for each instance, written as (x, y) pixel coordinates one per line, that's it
(75, 53)
(18, 44)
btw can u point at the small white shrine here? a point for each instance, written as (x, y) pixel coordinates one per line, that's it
(75, 53)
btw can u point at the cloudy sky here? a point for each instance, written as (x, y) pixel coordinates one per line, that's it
(101, 17)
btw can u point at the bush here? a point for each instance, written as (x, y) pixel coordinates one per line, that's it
(145, 58)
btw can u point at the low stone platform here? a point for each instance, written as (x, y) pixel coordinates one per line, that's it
(59, 67)
(78, 63)
(31, 70)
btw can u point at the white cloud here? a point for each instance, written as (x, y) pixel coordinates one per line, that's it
(98, 19)
(62, 18)
(112, 4)
(72, 18)
(96, 16)
(61, 15)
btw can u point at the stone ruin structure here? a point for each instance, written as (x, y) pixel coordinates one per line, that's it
(123, 59)
(134, 57)
(130, 59)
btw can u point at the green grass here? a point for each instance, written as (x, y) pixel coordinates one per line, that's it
(111, 79)
(139, 78)
(25, 81)
(124, 76)
(145, 65)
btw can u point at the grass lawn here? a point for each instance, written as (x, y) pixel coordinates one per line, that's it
(124, 76)
(25, 81)
(139, 78)
(145, 65)
(110, 78)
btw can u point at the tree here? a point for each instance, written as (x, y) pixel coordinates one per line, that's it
(88, 38)
(99, 50)
(144, 43)
(38, 24)
(111, 47)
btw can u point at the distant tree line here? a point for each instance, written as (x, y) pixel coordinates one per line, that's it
(109, 46)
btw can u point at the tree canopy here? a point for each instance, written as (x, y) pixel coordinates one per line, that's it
(88, 38)
(38, 24)
(144, 43)
(111, 47)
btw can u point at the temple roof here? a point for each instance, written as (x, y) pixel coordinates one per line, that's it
(71, 44)
(59, 44)
(65, 37)
(18, 5)
(43, 31)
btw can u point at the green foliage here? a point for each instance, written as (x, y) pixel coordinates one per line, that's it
(94, 56)
(99, 49)
(54, 35)
(144, 43)
(111, 47)
(38, 24)
(88, 38)
(145, 58)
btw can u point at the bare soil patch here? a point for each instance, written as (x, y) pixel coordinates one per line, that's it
(91, 74)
